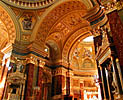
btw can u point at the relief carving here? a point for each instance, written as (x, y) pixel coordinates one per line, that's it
(57, 13)
(27, 22)
(10, 27)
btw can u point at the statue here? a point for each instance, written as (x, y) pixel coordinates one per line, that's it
(19, 64)
(111, 78)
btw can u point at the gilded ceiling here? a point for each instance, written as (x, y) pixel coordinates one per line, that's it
(29, 4)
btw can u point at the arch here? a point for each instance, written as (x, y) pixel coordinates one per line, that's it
(73, 41)
(4, 38)
(53, 13)
(8, 18)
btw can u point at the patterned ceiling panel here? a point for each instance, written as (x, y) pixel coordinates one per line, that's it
(29, 4)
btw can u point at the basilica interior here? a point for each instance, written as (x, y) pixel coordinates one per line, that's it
(61, 49)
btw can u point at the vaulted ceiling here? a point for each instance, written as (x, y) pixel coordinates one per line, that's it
(59, 24)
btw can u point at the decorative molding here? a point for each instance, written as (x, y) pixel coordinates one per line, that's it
(111, 6)
(16, 78)
(8, 17)
(41, 63)
(59, 71)
(56, 14)
(29, 4)
(104, 55)
(26, 37)
(72, 39)
(5, 18)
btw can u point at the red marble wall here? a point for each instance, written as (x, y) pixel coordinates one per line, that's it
(57, 84)
(29, 81)
(117, 33)
(39, 96)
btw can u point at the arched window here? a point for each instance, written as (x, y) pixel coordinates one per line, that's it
(87, 63)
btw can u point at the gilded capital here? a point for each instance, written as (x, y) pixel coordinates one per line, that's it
(41, 63)
(32, 60)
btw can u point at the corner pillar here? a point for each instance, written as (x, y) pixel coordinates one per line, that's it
(59, 83)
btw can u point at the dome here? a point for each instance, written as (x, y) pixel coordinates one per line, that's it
(29, 4)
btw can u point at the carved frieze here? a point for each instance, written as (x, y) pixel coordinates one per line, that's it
(75, 19)
(59, 71)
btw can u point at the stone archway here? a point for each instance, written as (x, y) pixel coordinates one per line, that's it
(53, 15)
(8, 28)
(9, 21)
(61, 21)
(73, 41)
(8, 34)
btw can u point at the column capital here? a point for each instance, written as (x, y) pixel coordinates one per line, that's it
(32, 60)
(35, 60)
(41, 63)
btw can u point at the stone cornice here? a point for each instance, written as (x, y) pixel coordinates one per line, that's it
(24, 50)
(103, 55)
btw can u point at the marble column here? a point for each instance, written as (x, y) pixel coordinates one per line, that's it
(29, 81)
(58, 83)
(105, 86)
(69, 91)
(117, 77)
(39, 83)
(100, 82)
(109, 85)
